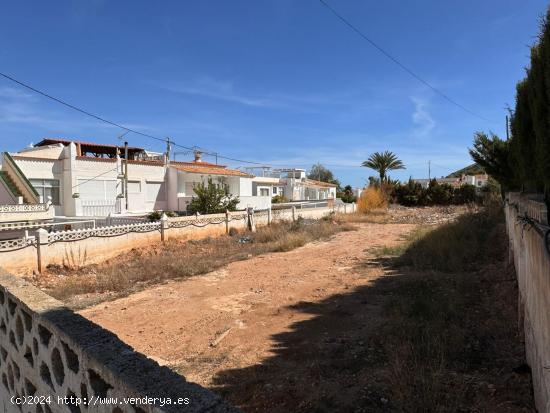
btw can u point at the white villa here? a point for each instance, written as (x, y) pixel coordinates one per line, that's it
(290, 183)
(87, 179)
(477, 180)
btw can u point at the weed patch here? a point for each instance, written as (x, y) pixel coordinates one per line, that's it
(179, 259)
(448, 323)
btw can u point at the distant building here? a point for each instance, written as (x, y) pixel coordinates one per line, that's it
(291, 183)
(87, 179)
(478, 180)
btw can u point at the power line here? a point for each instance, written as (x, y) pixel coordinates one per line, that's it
(118, 125)
(94, 177)
(401, 65)
(77, 108)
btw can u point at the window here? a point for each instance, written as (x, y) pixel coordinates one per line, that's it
(264, 191)
(47, 188)
(96, 189)
(274, 190)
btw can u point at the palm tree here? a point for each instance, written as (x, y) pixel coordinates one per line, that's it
(382, 163)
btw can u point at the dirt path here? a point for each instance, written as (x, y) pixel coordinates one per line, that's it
(230, 319)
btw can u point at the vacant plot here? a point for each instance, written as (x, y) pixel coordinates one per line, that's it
(370, 320)
(80, 286)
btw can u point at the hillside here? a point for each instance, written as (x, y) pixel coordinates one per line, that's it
(472, 169)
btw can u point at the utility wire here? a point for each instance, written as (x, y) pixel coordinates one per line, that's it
(78, 109)
(118, 125)
(401, 65)
(94, 177)
(129, 130)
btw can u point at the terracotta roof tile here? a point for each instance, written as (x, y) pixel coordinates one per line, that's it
(197, 163)
(313, 182)
(201, 168)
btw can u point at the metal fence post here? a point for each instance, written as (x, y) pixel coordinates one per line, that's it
(227, 221)
(269, 216)
(293, 213)
(41, 238)
(345, 208)
(163, 225)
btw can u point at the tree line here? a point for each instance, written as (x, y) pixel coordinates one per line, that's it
(522, 162)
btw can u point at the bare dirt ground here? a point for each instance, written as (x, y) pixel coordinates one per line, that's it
(307, 330)
(227, 319)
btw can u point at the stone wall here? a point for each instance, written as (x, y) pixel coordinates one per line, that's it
(532, 264)
(47, 350)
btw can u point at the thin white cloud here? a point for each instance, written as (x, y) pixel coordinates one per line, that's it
(421, 117)
(226, 91)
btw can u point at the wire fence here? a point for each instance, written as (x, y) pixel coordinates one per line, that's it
(531, 214)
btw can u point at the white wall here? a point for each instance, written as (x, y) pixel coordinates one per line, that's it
(35, 168)
(532, 264)
(47, 152)
(256, 202)
(149, 176)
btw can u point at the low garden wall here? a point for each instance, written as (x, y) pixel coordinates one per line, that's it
(53, 360)
(529, 238)
(85, 246)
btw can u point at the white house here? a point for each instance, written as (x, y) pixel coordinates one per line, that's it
(290, 183)
(88, 179)
(478, 180)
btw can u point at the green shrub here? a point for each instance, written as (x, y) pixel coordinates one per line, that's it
(439, 194)
(278, 199)
(155, 215)
(413, 194)
(212, 198)
(465, 194)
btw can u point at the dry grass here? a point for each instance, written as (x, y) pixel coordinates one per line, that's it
(449, 322)
(456, 246)
(377, 216)
(178, 259)
(371, 199)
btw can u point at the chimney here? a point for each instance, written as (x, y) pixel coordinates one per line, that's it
(198, 156)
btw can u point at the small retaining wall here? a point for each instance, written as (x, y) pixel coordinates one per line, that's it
(25, 212)
(47, 350)
(86, 246)
(532, 264)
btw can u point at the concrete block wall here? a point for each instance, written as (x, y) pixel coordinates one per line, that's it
(97, 249)
(532, 264)
(46, 350)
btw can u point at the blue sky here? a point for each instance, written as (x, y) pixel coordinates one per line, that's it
(281, 81)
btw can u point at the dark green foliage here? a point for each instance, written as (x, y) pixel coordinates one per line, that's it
(212, 198)
(383, 162)
(529, 145)
(347, 195)
(155, 215)
(494, 155)
(410, 194)
(413, 194)
(278, 199)
(320, 173)
(464, 194)
(439, 194)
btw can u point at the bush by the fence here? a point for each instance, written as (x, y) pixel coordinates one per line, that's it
(413, 194)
